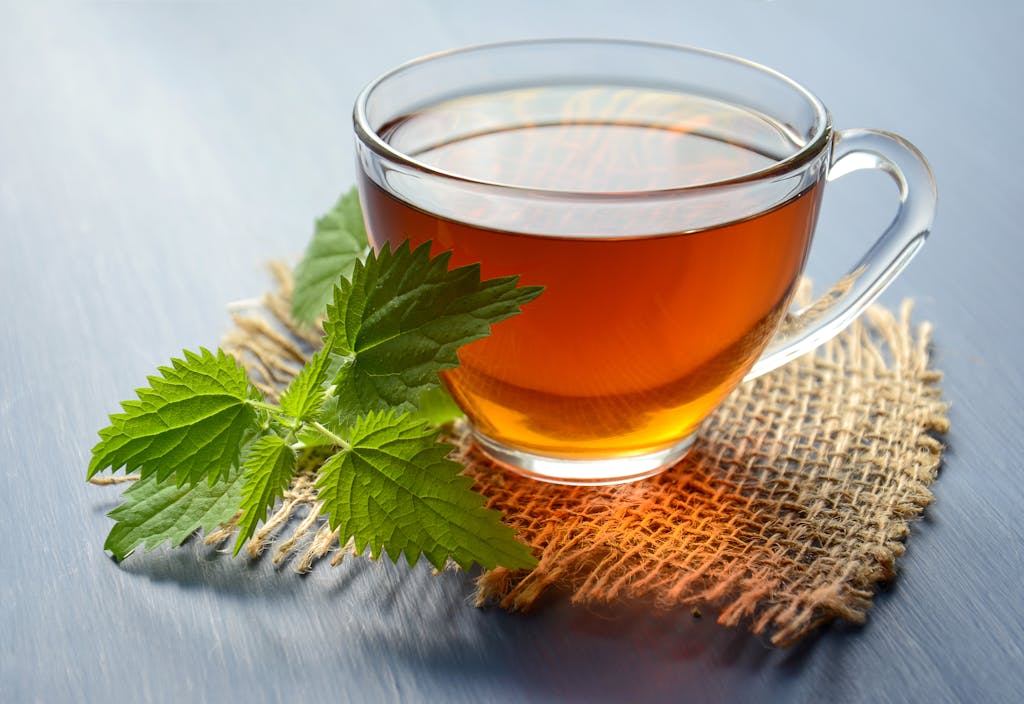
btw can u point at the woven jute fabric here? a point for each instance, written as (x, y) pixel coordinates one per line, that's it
(789, 512)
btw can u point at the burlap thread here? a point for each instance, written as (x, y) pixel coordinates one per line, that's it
(789, 512)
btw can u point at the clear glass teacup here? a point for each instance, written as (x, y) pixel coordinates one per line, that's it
(664, 196)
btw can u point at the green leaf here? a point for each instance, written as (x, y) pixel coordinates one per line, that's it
(268, 467)
(305, 394)
(156, 511)
(339, 240)
(437, 407)
(189, 422)
(395, 490)
(401, 319)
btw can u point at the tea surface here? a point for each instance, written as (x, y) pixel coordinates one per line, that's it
(591, 139)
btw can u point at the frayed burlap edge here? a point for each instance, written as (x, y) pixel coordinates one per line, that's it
(792, 508)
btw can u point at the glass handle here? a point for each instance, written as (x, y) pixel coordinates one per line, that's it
(853, 150)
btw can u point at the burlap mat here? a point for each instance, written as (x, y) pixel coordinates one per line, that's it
(791, 509)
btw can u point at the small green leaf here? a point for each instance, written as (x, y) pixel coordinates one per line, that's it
(400, 320)
(437, 407)
(155, 511)
(189, 422)
(305, 394)
(268, 467)
(338, 242)
(395, 490)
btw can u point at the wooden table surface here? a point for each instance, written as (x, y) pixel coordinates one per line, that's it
(154, 155)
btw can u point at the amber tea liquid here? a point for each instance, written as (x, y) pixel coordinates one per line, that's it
(635, 339)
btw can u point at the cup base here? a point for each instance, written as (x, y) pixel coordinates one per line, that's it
(583, 472)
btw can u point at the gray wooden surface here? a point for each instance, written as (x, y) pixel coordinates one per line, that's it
(153, 156)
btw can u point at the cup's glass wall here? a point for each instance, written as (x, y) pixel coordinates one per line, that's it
(662, 286)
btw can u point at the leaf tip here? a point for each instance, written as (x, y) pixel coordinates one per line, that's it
(242, 538)
(529, 293)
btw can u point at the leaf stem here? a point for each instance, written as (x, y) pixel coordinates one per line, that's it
(319, 427)
(276, 410)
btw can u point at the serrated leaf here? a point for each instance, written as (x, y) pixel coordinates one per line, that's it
(305, 394)
(189, 423)
(435, 406)
(396, 491)
(155, 511)
(268, 468)
(400, 320)
(339, 240)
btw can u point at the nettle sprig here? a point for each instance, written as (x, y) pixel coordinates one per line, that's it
(209, 447)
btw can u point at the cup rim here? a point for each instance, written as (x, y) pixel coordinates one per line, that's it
(807, 153)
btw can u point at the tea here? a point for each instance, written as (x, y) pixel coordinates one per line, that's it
(636, 338)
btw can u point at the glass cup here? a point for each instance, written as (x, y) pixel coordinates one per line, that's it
(664, 196)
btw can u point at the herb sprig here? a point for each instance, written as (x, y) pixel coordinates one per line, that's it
(209, 447)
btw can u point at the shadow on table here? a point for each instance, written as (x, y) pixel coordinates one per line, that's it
(625, 653)
(621, 653)
(199, 567)
(425, 623)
